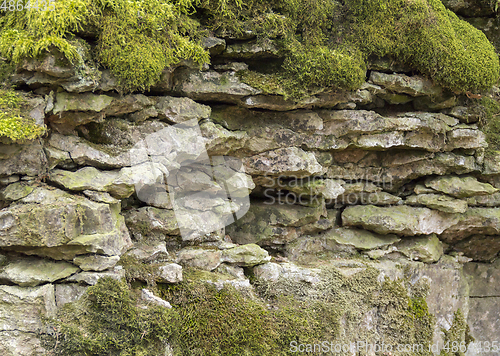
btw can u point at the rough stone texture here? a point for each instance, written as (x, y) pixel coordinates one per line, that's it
(200, 258)
(120, 184)
(460, 187)
(483, 278)
(246, 255)
(68, 293)
(26, 159)
(30, 272)
(178, 110)
(427, 249)
(50, 222)
(290, 161)
(21, 312)
(95, 262)
(211, 86)
(170, 273)
(91, 278)
(401, 83)
(149, 298)
(269, 224)
(438, 202)
(484, 304)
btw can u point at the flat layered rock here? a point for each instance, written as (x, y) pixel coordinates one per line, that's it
(460, 187)
(52, 223)
(439, 202)
(401, 83)
(30, 272)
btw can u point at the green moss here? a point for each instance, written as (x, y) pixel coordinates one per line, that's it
(332, 52)
(136, 40)
(458, 334)
(107, 321)
(488, 111)
(14, 125)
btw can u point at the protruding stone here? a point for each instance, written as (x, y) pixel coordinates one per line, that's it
(170, 273)
(205, 259)
(427, 249)
(95, 262)
(30, 272)
(246, 255)
(148, 297)
(178, 110)
(460, 187)
(400, 83)
(439, 202)
(91, 278)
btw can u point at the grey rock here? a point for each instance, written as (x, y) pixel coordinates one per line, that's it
(95, 262)
(22, 311)
(52, 223)
(484, 248)
(400, 83)
(15, 191)
(30, 272)
(205, 259)
(212, 86)
(439, 202)
(28, 159)
(270, 224)
(214, 45)
(427, 249)
(291, 161)
(263, 49)
(460, 187)
(484, 323)
(170, 273)
(268, 271)
(483, 278)
(178, 110)
(68, 293)
(246, 255)
(149, 298)
(91, 278)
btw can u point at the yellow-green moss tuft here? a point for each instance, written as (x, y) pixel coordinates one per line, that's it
(14, 126)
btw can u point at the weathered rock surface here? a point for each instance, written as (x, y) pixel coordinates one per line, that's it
(205, 259)
(30, 272)
(427, 249)
(438, 202)
(91, 278)
(170, 273)
(268, 224)
(22, 310)
(68, 293)
(211, 86)
(96, 262)
(246, 255)
(400, 83)
(460, 187)
(28, 159)
(52, 223)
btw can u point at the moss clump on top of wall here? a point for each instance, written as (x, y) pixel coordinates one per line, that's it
(325, 43)
(14, 127)
(422, 34)
(135, 39)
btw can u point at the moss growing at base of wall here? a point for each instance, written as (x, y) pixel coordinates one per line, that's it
(457, 335)
(108, 321)
(14, 126)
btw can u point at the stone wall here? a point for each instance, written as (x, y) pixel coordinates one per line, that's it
(395, 177)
